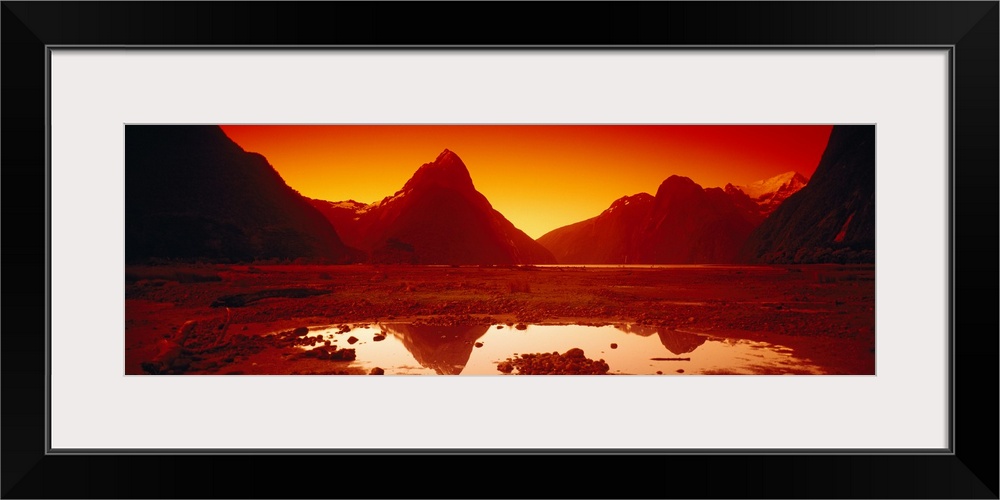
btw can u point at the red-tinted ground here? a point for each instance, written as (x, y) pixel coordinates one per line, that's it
(825, 313)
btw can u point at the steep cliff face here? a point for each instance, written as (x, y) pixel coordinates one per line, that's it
(831, 219)
(192, 193)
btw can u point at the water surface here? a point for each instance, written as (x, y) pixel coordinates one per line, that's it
(640, 350)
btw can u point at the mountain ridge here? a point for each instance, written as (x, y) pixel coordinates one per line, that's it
(437, 217)
(191, 193)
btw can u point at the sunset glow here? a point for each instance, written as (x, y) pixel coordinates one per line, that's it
(540, 177)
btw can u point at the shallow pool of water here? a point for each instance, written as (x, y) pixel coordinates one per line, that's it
(477, 349)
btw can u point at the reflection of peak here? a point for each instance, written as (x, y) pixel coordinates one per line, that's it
(444, 349)
(676, 342)
(680, 342)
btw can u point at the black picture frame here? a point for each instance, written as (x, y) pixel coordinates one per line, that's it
(970, 29)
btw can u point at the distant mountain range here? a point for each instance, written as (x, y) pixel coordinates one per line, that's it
(784, 219)
(683, 224)
(193, 194)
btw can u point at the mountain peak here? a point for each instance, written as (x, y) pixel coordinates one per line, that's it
(446, 170)
(446, 155)
(789, 181)
(676, 184)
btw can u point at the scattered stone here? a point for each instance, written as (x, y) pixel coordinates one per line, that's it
(521, 326)
(377, 371)
(344, 355)
(571, 363)
(680, 370)
(658, 372)
(378, 338)
(478, 344)
(499, 327)
(352, 339)
(300, 331)
(614, 346)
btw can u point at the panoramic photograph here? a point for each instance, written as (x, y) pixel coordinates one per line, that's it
(499, 250)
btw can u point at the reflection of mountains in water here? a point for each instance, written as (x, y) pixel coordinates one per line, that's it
(675, 342)
(444, 349)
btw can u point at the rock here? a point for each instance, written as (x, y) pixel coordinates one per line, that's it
(658, 372)
(614, 346)
(575, 352)
(479, 344)
(680, 370)
(352, 339)
(377, 371)
(344, 355)
(378, 338)
(300, 331)
(499, 327)
(521, 326)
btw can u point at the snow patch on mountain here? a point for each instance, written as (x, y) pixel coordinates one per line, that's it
(770, 193)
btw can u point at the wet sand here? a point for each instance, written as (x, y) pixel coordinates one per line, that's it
(222, 319)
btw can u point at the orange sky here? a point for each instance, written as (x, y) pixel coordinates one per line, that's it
(538, 176)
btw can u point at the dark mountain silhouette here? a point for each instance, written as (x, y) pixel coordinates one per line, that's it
(192, 193)
(437, 218)
(691, 225)
(831, 219)
(605, 239)
(444, 349)
(682, 224)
